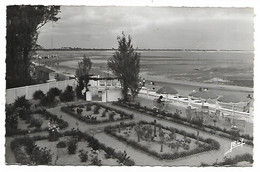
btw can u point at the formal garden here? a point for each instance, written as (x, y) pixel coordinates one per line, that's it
(41, 137)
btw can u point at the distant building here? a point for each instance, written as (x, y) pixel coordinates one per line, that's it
(43, 73)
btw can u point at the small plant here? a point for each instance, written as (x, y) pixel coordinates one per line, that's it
(22, 102)
(72, 146)
(38, 95)
(111, 116)
(95, 161)
(67, 95)
(104, 114)
(54, 133)
(35, 123)
(96, 109)
(41, 156)
(122, 115)
(88, 107)
(79, 111)
(83, 155)
(61, 144)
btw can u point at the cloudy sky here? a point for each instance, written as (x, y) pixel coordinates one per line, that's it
(151, 27)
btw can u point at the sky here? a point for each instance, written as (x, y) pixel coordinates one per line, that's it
(151, 27)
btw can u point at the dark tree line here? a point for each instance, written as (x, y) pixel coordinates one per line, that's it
(23, 23)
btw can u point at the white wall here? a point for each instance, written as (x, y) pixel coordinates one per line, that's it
(28, 91)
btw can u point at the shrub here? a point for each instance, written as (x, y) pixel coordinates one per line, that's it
(61, 144)
(79, 111)
(28, 142)
(54, 133)
(22, 102)
(24, 114)
(96, 109)
(72, 146)
(111, 116)
(38, 95)
(41, 156)
(88, 107)
(35, 123)
(96, 161)
(54, 91)
(104, 113)
(11, 117)
(67, 95)
(83, 155)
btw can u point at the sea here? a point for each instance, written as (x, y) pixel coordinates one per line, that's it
(217, 67)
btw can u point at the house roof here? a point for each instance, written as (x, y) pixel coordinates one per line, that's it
(44, 69)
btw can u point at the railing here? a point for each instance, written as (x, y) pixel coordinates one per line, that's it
(28, 91)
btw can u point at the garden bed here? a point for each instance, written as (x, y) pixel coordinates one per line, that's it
(36, 121)
(165, 143)
(69, 148)
(233, 135)
(96, 113)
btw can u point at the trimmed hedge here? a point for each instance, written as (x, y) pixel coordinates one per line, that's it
(68, 110)
(211, 144)
(183, 121)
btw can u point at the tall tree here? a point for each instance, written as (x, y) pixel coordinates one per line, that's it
(82, 74)
(23, 23)
(125, 64)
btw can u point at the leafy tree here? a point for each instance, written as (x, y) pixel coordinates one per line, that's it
(82, 74)
(125, 64)
(23, 23)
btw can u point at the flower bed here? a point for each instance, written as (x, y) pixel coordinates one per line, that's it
(153, 141)
(96, 113)
(38, 122)
(70, 149)
(180, 120)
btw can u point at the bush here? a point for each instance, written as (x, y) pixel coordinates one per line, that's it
(83, 155)
(111, 116)
(38, 95)
(22, 102)
(67, 95)
(96, 109)
(54, 91)
(104, 113)
(96, 161)
(35, 123)
(11, 117)
(72, 147)
(54, 133)
(24, 114)
(88, 107)
(61, 144)
(79, 111)
(28, 142)
(41, 156)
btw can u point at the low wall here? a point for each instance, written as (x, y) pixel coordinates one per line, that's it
(28, 91)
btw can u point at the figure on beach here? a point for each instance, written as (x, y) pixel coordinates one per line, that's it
(159, 100)
(143, 82)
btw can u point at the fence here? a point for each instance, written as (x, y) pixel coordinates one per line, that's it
(28, 91)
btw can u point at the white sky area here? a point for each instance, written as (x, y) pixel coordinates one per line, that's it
(151, 27)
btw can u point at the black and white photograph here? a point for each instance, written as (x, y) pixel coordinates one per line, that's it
(112, 85)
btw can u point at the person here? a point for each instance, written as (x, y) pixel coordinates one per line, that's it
(159, 100)
(143, 82)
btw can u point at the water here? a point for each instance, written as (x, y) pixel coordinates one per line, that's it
(228, 68)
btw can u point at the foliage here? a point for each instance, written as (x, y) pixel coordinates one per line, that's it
(61, 144)
(67, 95)
(38, 95)
(35, 123)
(72, 146)
(96, 109)
(28, 142)
(23, 22)
(24, 114)
(124, 159)
(54, 92)
(88, 107)
(111, 116)
(11, 118)
(83, 155)
(49, 99)
(22, 102)
(125, 64)
(54, 133)
(95, 161)
(79, 111)
(41, 156)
